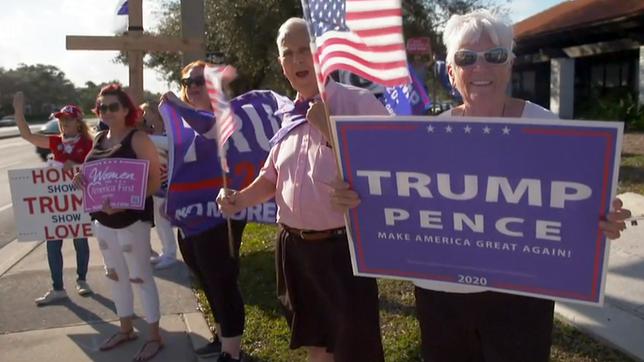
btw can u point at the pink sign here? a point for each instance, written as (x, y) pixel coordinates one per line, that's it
(123, 181)
(420, 45)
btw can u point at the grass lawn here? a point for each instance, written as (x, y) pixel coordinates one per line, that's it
(267, 335)
(631, 173)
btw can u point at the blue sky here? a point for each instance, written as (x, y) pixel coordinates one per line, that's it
(33, 31)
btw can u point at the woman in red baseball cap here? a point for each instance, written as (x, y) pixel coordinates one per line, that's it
(69, 149)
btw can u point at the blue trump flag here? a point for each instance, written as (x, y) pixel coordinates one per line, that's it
(195, 176)
(443, 78)
(407, 99)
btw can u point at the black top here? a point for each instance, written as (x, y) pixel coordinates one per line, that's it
(123, 150)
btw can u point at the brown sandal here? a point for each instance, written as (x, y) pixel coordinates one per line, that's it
(138, 357)
(123, 337)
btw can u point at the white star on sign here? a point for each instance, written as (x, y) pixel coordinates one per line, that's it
(486, 130)
(467, 129)
(506, 130)
(448, 129)
(430, 129)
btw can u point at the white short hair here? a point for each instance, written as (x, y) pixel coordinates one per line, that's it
(286, 27)
(468, 28)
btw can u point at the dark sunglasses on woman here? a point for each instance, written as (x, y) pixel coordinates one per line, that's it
(198, 81)
(466, 57)
(112, 107)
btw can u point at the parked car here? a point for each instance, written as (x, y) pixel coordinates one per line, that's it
(7, 121)
(49, 128)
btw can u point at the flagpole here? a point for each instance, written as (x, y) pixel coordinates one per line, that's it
(318, 72)
(211, 85)
(231, 241)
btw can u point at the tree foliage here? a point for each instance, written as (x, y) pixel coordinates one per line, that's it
(245, 30)
(47, 89)
(45, 86)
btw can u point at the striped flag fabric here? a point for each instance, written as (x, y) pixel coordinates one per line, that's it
(225, 125)
(361, 36)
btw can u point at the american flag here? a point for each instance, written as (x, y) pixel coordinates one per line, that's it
(361, 36)
(225, 123)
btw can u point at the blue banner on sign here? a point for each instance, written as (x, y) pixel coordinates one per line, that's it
(195, 176)
(507, 204)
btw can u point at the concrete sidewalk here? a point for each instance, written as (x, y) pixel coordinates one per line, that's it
(620, 322)
(72, 330)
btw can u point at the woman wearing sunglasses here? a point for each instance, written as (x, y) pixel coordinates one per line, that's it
(69, 149)
(468, 323)
(124, 235)
(207, 254)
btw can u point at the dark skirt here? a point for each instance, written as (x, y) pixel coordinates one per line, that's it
(488, 326)
(324, 303)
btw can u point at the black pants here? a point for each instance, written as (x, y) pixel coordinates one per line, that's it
(325, 304)
(208, 257)
(483, 327)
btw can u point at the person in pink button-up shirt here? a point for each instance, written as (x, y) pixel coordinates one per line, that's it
(331, 312)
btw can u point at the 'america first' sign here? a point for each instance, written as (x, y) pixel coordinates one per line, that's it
(506, 204)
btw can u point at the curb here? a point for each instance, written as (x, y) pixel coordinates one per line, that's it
(12, 253)
(606, 325)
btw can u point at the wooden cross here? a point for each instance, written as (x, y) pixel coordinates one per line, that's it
(135, 43)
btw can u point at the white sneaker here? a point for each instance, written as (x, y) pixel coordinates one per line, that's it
(83, 288)
(51, 296)
(165, 262)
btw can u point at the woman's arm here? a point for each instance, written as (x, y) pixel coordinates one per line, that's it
(145, 150)
(38, 140)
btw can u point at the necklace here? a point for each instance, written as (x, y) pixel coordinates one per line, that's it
(502, 111)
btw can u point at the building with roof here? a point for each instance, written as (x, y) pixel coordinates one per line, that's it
(571, 56)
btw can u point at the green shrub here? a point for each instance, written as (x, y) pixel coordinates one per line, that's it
(618, 105)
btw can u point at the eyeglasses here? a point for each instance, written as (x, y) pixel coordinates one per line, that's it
(198, 81)
(112, 107)
(466, 57)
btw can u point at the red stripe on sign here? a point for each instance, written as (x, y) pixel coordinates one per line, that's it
(199, 185)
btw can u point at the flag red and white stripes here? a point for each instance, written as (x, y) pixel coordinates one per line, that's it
(361, 36)
(225, 124)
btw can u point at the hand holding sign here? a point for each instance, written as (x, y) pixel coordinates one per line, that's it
(614, 223)
(343, 197)
(111, 185)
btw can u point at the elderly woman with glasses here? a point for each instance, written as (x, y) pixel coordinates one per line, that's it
(467, 323)
(124, 235)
